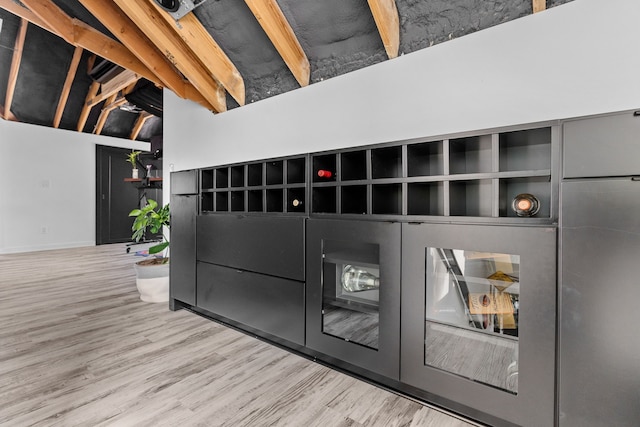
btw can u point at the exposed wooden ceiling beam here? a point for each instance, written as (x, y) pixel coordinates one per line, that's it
(539, 5)
(198, 39)
(86, 108)
(23, 12)
(146, 17)
(385, 13)
(64, 95)
(130, 35)
(80, 34)
(121, 81)
(8, 115)
(137, 127)
(110, 104)
(15, 66)
(275, 25)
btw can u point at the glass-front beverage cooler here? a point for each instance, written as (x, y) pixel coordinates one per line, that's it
(478, 317)
(353, 292)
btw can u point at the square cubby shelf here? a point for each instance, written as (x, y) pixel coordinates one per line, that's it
(425, 198)
(353, 199)
(206, 179)
(386, 162)
(237, 176)
(237, 201)
(539, 187)
(324, 200)
(470, 155)
(425, 159)
(353, 165)
(254, 174)
(525, 150)
(222, 201)
(322, 165)
(206, 202)
(222, 177)
(274, 172)
(386, 199)
(296, 171)
(275, 200)
(471, 198)
(296, 199)
(254, 201)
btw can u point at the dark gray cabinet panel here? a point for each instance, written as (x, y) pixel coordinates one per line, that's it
(270, 304)
(602, 146)
(184, 182)
(375, 246)
(183, 248)
(599, 339)
(269, 245)
(510, 376)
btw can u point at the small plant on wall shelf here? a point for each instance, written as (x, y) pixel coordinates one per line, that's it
(132, 158)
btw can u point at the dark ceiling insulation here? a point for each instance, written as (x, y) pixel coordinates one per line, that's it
(337, 36)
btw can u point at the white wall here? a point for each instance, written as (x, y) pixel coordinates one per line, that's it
(48, 186)
(577, 59)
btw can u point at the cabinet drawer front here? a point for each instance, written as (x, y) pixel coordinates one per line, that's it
(184, 182)
(602, 146)
(270, 304)
(273, 245)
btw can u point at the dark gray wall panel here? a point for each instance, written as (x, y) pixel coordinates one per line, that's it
(183, 248)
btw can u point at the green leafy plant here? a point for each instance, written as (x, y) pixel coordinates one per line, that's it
(132, 158)
(154, 219)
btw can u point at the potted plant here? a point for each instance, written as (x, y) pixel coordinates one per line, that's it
(132, 158)
(152, 275)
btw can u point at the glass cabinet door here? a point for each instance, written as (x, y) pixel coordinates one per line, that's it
(479, 317)
(353, 292)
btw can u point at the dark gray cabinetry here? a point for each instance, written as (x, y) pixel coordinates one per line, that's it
(479, 317)
(262, 244)
(251, 271)
(353, 293)
(270, 304)
(184, 209)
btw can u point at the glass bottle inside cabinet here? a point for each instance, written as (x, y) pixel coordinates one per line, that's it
(472, 305)
(350, 294)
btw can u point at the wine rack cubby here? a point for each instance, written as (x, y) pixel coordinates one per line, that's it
(462, 176)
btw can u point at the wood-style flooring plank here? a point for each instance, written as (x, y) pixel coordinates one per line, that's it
(79, 348)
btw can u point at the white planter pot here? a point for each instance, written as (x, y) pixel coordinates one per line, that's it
(152, 282)
(134, 173)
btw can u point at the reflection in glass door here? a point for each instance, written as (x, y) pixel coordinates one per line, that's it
(351, 292)
(472, 306)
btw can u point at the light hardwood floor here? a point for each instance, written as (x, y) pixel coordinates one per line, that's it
(78, 348)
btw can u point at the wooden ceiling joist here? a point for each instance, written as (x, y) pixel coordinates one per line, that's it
(64, 95)
(146, 17)
(385, 14)
(51, 18)
(137, 127)
(539, 5)
(123, 80)
(15, 67)
(86, 109)
(277, 28)
(8, 115)
(22, 12)
(130, 35)
(110, 104)
(198, 39)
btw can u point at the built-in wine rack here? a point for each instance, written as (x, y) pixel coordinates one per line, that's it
(470, 175)
(271, 186)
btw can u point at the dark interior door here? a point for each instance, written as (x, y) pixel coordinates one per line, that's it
(115, 198)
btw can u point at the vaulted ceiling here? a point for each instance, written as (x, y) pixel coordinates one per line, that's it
(98, 66)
